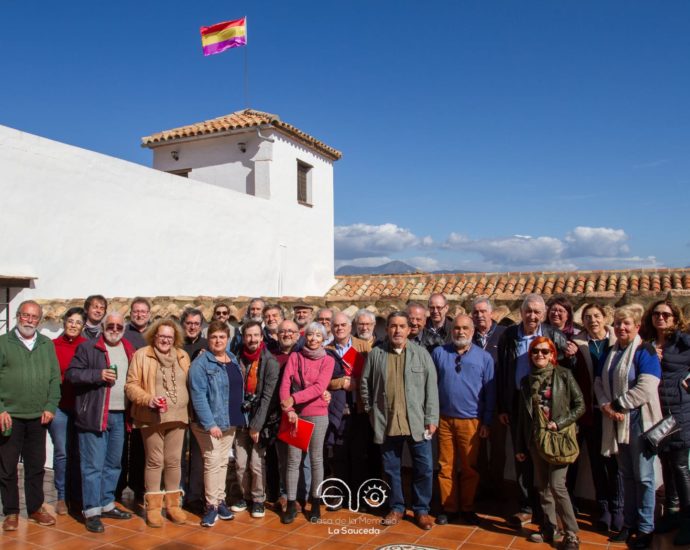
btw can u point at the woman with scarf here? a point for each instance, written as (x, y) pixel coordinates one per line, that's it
(61, 427)
(305, 378)
(550, 401)
(157, 387)
(594, 344)
(627, 392)
(664, 327)
(260, 373)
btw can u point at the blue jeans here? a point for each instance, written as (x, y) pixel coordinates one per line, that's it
(101, 460)
(58, 434)
(422, 472)
(638, 480)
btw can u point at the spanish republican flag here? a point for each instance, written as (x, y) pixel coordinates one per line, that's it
(222, 36)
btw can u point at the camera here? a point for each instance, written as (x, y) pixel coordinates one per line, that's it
(250, 401)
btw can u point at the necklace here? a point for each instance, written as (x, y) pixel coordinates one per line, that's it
(170, 392)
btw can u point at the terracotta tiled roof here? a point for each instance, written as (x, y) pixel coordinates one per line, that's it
(504, 286)
(247, 118)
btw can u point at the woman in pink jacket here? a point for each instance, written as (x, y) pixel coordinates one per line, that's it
(306, 377)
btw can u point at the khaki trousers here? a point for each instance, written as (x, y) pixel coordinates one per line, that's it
(215, 453)
(458, 444)
(249, 460)
(163, 453)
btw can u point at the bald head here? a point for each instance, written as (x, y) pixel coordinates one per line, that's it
(462, 331)
(342, 328)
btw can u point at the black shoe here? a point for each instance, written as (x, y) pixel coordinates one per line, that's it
(669, 522)
(315, 512)
(622, 536)
(642, 542)
(444, 518)
(94, 524)
(116, 513)
(290, 513)
(470, 518)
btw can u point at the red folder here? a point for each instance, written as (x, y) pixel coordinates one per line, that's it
(298, 435)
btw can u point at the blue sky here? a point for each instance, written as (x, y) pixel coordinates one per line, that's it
(478, 135)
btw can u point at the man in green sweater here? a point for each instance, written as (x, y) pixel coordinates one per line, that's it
(29, 395)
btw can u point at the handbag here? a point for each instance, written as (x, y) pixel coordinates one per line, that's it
(655, 436)
(558, 447)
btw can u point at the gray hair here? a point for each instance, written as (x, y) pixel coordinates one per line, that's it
(412, 305)
(531, 299)
(365, 312)
(191, 312)
(482, 300)
(32, 303)
(112, 313)
(319, 311)
(316, 327)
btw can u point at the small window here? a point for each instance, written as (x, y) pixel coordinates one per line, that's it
(304, 183)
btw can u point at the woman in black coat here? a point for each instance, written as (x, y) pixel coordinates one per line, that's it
(664, 326)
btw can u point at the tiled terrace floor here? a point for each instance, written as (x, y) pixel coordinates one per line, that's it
(247, 533)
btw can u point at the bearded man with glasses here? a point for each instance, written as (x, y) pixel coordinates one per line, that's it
(98, 372)
(467, 398)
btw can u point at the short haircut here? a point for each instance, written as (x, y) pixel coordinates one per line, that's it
(438, 294)
(544, 340)
(95, 298)
(321, 310)
(191, 312)
(112, 313)
(395, 314)
(218, 326)
(271, 307)
(140, 300)
(531, 298)
(254, 300)
(316, 327)
(219, 305)
(33, 303)
(366, 313)
(594, 305)
(631, 311)
(74, 311)
(249, 324)
(561, 300)
(415, 305)
(482, 300)
(150, 334)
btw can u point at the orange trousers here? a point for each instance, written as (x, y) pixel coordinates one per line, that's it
(458, 446)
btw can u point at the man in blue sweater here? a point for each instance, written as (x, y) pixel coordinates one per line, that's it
(467, 398)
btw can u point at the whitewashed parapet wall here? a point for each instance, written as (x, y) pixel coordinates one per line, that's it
(83, 223)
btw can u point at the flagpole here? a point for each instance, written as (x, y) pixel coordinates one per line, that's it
(246, 65)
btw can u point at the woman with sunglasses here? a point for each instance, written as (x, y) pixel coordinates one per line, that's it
(664, 326)
(157, 387)
(627, 392)
(549, 396)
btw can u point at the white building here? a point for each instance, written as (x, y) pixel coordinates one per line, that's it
(253, 216)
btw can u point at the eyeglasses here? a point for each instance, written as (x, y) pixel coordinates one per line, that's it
(114, 327)
(541, 351)
(287, 332)
(663, 314)
(434, 308)
(165, 338)
(29, 317)
(192, 324)
(458, 364)
(74, 322)
(324, 319)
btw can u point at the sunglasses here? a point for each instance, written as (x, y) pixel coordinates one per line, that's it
(458, 364)
(115, 328)
(664, 314)
(541, 351)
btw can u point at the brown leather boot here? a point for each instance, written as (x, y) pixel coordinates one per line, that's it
(153, 502)
(173, 509)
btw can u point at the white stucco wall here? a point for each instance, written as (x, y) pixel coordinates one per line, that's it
(84, 223)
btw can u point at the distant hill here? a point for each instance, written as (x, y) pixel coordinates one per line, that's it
(395, 266)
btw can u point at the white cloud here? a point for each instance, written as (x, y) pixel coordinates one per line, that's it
(364, 240)
(424, 263)
(596, 241)
(518, 249)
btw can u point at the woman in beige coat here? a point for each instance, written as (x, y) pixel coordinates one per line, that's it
(157, 387)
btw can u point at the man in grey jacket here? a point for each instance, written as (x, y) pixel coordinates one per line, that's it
(400, 393)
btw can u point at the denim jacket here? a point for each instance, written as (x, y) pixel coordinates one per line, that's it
(210, 391)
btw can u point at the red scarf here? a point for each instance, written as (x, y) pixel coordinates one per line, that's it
(251, 357)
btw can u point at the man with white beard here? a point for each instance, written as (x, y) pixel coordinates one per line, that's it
(29, 395)
(467, 397)
(364, 325)
(98, 372)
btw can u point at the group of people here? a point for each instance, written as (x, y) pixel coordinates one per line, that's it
(161, 406)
